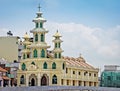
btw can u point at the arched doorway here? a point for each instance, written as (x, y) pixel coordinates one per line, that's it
(32, 82)
(44, 80)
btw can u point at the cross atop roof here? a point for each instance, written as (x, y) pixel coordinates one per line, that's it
(39, 7)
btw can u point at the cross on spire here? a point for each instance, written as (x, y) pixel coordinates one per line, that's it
(39, 7)
(80, 55)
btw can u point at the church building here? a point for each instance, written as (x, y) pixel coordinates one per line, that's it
(40, 67)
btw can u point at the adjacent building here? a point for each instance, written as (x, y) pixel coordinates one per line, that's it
(110, 77)
(40, 67)
(11, 71)
(4, 79)
(10, 48)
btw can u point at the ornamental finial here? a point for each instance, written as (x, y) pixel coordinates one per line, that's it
(57, 30)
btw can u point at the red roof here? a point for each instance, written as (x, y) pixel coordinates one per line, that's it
(5, 77)
(78, 62)
(2, 70)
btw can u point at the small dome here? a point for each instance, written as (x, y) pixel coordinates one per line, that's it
(57, 34)
(26, 35)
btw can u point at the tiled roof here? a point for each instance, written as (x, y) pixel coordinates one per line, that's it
(2, 70)
(5, 77)
(77, 62)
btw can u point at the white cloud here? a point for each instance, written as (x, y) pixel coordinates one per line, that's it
(81, 38)
(112, 50)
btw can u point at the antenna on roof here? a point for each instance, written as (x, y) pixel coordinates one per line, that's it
(9, 33)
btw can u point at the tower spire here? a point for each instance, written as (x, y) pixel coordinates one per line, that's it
(39, 7)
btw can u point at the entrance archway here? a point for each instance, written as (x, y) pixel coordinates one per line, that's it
(32, 82)
(44, 80)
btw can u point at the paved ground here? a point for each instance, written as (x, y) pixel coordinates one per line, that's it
(58, 88)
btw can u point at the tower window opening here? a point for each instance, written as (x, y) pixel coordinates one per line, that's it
(55, 55)
(59, 55)
(41, 25)
(23, 56)
(59, 45)
(36, 37)
(37, 25)
(42, 38)
(55, 45)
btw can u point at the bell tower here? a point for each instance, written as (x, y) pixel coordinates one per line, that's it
(57, 45)
(39, 46)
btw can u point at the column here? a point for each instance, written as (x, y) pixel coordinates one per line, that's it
(27, 82)
(39, 80)
(87, 83)
(64, 82)
(82, 83)
(71, 73)
(77, 82)
(77, 74)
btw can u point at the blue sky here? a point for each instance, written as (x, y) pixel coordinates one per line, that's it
(89, 27)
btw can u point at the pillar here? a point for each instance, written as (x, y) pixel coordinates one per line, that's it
(26, 78)
(39, 79)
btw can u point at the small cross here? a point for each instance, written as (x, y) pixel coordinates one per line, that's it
(39, 7)
(80, 54)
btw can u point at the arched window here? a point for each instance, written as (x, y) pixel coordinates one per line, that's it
(41, 25)
(59, 45)
(36, 37)
(59, 55)
(54, 65)
(55, 45)
(22, 80)
(23, 66)
(23, 56)
(35, 53)
(42, 38)
(63, 66)
(33, 63)
(45, 65)
(55, 55)
(28, 55)
(43, 53)
(54, 79)
(37, 25)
